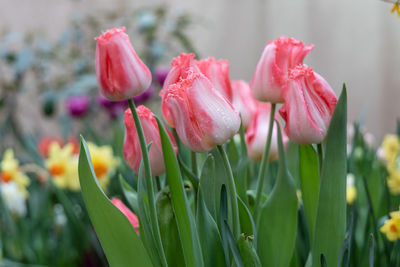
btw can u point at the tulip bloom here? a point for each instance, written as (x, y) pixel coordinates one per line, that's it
(131, 149)
(217, 71)
(133, 219)
(202, 117)
(120, 72)
(243, 101)
(257, 133)
(271, 73)
(308, 108)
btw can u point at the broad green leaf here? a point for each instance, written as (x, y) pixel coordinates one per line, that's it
(118, 238)
(246, 220)
(249, 254)
(168, 229)
(130, 195)
(210, 238)
(207, 183)
(184, 218)
(276, 233)
(330, 224)
(232, 244)
(308, 162)
(223, 216)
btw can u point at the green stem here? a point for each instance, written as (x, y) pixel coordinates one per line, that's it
(232, 192)
(264, 165)
(195, 170)
(149, 182)
(320, 157)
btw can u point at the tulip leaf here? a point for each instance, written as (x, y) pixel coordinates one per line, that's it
(308, 162)
(184, 217)
(277, 228)
(249, 254)
(207, 183)
(209, 235)
(117, 236)
(246, 220)
(130, 195)
(330, 223)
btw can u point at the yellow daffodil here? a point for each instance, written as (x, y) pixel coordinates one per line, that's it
(396, 8)
(389, 152)
(10, 172)
(391, 148)
(391, 228)
(351, 191)
(62, 164)
(103, 161)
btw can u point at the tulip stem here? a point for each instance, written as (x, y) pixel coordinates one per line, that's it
(264, 165)
(149, 182)
(195, 170)
(231, 191)
(320, 157)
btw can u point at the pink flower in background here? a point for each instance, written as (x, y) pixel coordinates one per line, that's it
(127, 212)
(217, 71)
(271, 73)
(131, 149)
(120, 72)
(202, 117)
(78, 106)
(243, 101)
(308, 108)
(256, 134)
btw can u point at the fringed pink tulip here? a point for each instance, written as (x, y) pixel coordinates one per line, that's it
(271, 73)
(217, 71)
(127, 212)
(120, 72)
(179, 67)
(131, 149)
(202, 117)
(256, 134)
(308, 108)
(243, 101)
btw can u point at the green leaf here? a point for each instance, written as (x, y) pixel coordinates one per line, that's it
(118, 238)
(330, 224)
(308, 162)
(371, 250)
(184, 218)
(169, 230)
(207, 183)
(249, 254)
(210, 238)
(276, 233)
(130, 195)
(246, 220)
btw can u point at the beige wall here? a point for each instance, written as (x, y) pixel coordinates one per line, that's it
(357, 42)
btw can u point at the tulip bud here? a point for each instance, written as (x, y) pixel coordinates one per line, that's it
(131, 149)
(308, 108)
(257, 133)
(120, 72)
(217, 71)
(133, 219)
(271, 73)
(243, 101)
(202, 117)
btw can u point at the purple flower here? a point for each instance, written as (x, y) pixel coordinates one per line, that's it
(139, 99)
(113, 108)
(78, 106)
(161, 73)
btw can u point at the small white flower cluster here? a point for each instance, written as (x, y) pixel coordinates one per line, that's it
(13, 198)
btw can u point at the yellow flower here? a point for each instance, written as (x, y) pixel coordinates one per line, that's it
(392, 226)
(103, 161)
(62, 164)
(396, 8)
(351, 191)
(10, 171)
(393, 181)
(391, 148)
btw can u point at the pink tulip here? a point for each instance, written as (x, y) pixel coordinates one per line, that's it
(179, 67)
(131, 149)
(202, 117)
(271, 73)
(127, 212)
(243, 101)
(256, 135)
(217, 71)
(308, 108)
(120, 72)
